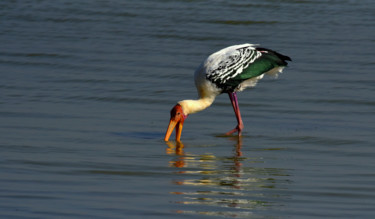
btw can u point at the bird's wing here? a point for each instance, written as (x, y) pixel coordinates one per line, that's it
(230, 62)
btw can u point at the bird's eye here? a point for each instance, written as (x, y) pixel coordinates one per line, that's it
(178, 114)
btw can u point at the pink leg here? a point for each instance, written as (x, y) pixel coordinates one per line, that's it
(239, 127)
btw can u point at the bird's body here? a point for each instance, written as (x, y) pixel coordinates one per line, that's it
(229, 70)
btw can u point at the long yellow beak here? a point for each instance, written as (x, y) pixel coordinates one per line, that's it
(171, 126)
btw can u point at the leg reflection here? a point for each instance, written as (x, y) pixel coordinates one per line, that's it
(234, 185)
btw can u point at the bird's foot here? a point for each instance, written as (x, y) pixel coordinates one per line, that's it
(238, 129)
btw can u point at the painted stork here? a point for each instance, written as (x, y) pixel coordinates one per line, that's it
(229, 70)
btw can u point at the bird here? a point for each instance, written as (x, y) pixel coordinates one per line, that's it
(229, 70)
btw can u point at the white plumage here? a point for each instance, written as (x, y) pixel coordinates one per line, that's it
(229, 70)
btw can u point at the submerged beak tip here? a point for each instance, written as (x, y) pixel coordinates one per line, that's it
(174, 125)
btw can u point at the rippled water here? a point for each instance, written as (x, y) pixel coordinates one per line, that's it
(86, 89)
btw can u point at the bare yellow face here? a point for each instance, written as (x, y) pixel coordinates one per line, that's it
(176, 121)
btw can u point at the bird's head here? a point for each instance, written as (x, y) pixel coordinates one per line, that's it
(177, 120)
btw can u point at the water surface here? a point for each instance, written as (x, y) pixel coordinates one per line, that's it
(86, 89)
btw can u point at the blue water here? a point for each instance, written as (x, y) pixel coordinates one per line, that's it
(85, 93)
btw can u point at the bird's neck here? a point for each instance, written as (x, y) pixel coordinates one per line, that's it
(193, 106)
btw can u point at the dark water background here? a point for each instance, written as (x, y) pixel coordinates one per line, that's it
(85, 93)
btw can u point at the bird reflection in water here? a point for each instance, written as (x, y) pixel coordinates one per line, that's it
(231, 182)
(177, 149)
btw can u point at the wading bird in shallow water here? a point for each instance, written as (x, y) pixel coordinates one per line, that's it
(229, 70)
